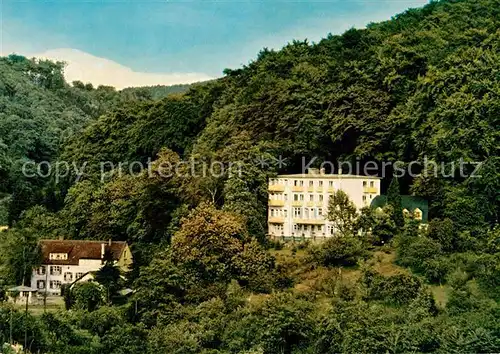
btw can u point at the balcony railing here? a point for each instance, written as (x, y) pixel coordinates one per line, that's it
(370, 190)
(276, 188)
(276, 220)
(309, 221)
(277, 203)
(298, 189)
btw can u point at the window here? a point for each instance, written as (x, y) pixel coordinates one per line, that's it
(301, 197)
(285, 197)
(272, 212)
(330, 183)
(306, 213)
(68, 276)
(311, 183)
(364, 183)
(371, 184)
(320, 183)
(320, 198)
(55, 284)
(364, 198)
(311, 197)
(320, 211)
(55, 270)
(78, 275)
(58, 256)
(295, 227)
(295, 197)
(297, 212)
(285, 213)
(301, 183)
(40, 284)
(295, 183)
(41, 270)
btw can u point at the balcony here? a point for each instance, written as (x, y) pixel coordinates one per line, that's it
(297, 203)
(319, 189)
(309, 221)
(298, 189)
(331, 189)
(276, 203)
(370, 190)
(311, 204)
(276, 220)
(276, 188)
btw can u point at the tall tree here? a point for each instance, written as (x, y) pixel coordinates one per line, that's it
(342, 212)
(394, 200)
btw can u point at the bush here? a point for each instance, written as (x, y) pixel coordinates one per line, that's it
(87, 296)
(415, 251)
(337, 251)
(436, 270)
(399, 289)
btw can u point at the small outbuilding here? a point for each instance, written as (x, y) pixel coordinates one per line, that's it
(21, 293)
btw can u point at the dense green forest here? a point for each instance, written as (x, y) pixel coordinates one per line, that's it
(424, 85)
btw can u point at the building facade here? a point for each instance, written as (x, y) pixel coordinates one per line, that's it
(298, 204)
(66, 261)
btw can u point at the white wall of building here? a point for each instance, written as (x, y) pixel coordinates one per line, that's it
(69, 273)
(298, 204)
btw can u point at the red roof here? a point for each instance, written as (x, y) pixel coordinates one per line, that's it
(78, 249)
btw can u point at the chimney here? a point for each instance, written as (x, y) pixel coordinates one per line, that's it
(322, 171)
(109, 242)
(103, 250)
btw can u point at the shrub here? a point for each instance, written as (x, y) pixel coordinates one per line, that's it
(398, 289)
(436, 270)
(338, 251)
(415, 251)
(87, 296)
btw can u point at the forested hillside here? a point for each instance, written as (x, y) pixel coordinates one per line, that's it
(424, 85)
(39, 114)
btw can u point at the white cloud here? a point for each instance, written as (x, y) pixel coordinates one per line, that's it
(101, 71)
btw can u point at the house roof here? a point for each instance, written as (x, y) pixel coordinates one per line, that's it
(408, 202)
(79, 249)
(21, 288)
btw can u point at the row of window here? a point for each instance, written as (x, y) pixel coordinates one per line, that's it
(57, 270)
(296, 197)
(300, 183)
(302, 229)
(365, 198)
(310, 229)
(278, 213)
(53, 284)
(308, 213)
(56, 284)
(58, 256)
(298, 212)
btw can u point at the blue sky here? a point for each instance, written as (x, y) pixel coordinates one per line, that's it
(181, 36)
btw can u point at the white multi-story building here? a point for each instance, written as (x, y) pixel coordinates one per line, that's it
(298, 204)
(66, 261)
